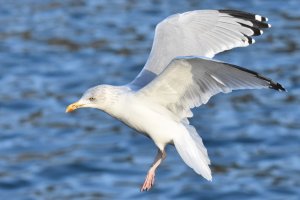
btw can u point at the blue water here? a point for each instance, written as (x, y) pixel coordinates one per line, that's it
(52, 51)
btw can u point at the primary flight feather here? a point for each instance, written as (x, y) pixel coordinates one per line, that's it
(179, 75)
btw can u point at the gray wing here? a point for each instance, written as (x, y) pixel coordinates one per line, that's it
(188, 82)
(198, 33)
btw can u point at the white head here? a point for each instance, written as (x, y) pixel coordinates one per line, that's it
(101, 97)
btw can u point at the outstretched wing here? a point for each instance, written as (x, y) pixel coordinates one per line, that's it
(188, 82)
(198, 33)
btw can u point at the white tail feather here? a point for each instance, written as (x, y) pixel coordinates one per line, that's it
(190, 147)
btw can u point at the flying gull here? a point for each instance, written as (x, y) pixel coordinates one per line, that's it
(179, 75)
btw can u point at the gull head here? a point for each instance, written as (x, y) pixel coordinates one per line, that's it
(96, 97)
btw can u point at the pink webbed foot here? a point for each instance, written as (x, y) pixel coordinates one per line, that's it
(149, 181)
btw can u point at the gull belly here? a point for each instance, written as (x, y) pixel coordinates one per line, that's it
(149, 119)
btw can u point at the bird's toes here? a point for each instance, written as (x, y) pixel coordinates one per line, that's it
(149, 182)
(143, 189)
(147, 185)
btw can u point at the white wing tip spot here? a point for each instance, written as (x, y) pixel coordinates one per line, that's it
(261, 31)
(261, 19)
(258, 18)
(249, 41)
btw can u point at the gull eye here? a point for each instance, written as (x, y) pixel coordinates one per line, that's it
(92, 99)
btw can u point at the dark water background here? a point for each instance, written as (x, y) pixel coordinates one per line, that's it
(52, 51)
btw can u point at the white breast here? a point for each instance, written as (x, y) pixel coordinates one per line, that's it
(148, 118)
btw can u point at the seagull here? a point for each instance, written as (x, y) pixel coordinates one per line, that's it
(179, 75)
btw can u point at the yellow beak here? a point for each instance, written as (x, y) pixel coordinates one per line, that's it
(73, 107)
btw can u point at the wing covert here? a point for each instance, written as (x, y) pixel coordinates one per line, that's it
(189, 82)
(198, 33)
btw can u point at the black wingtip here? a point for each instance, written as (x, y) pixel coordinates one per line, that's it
(249, 39)
(257, 20)
(277, 86)
(264, 19)
(256, 31)
(271, 84)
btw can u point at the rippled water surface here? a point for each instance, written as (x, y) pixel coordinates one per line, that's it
(52, 51)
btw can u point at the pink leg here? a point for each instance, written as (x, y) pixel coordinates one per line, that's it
(149, 181)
